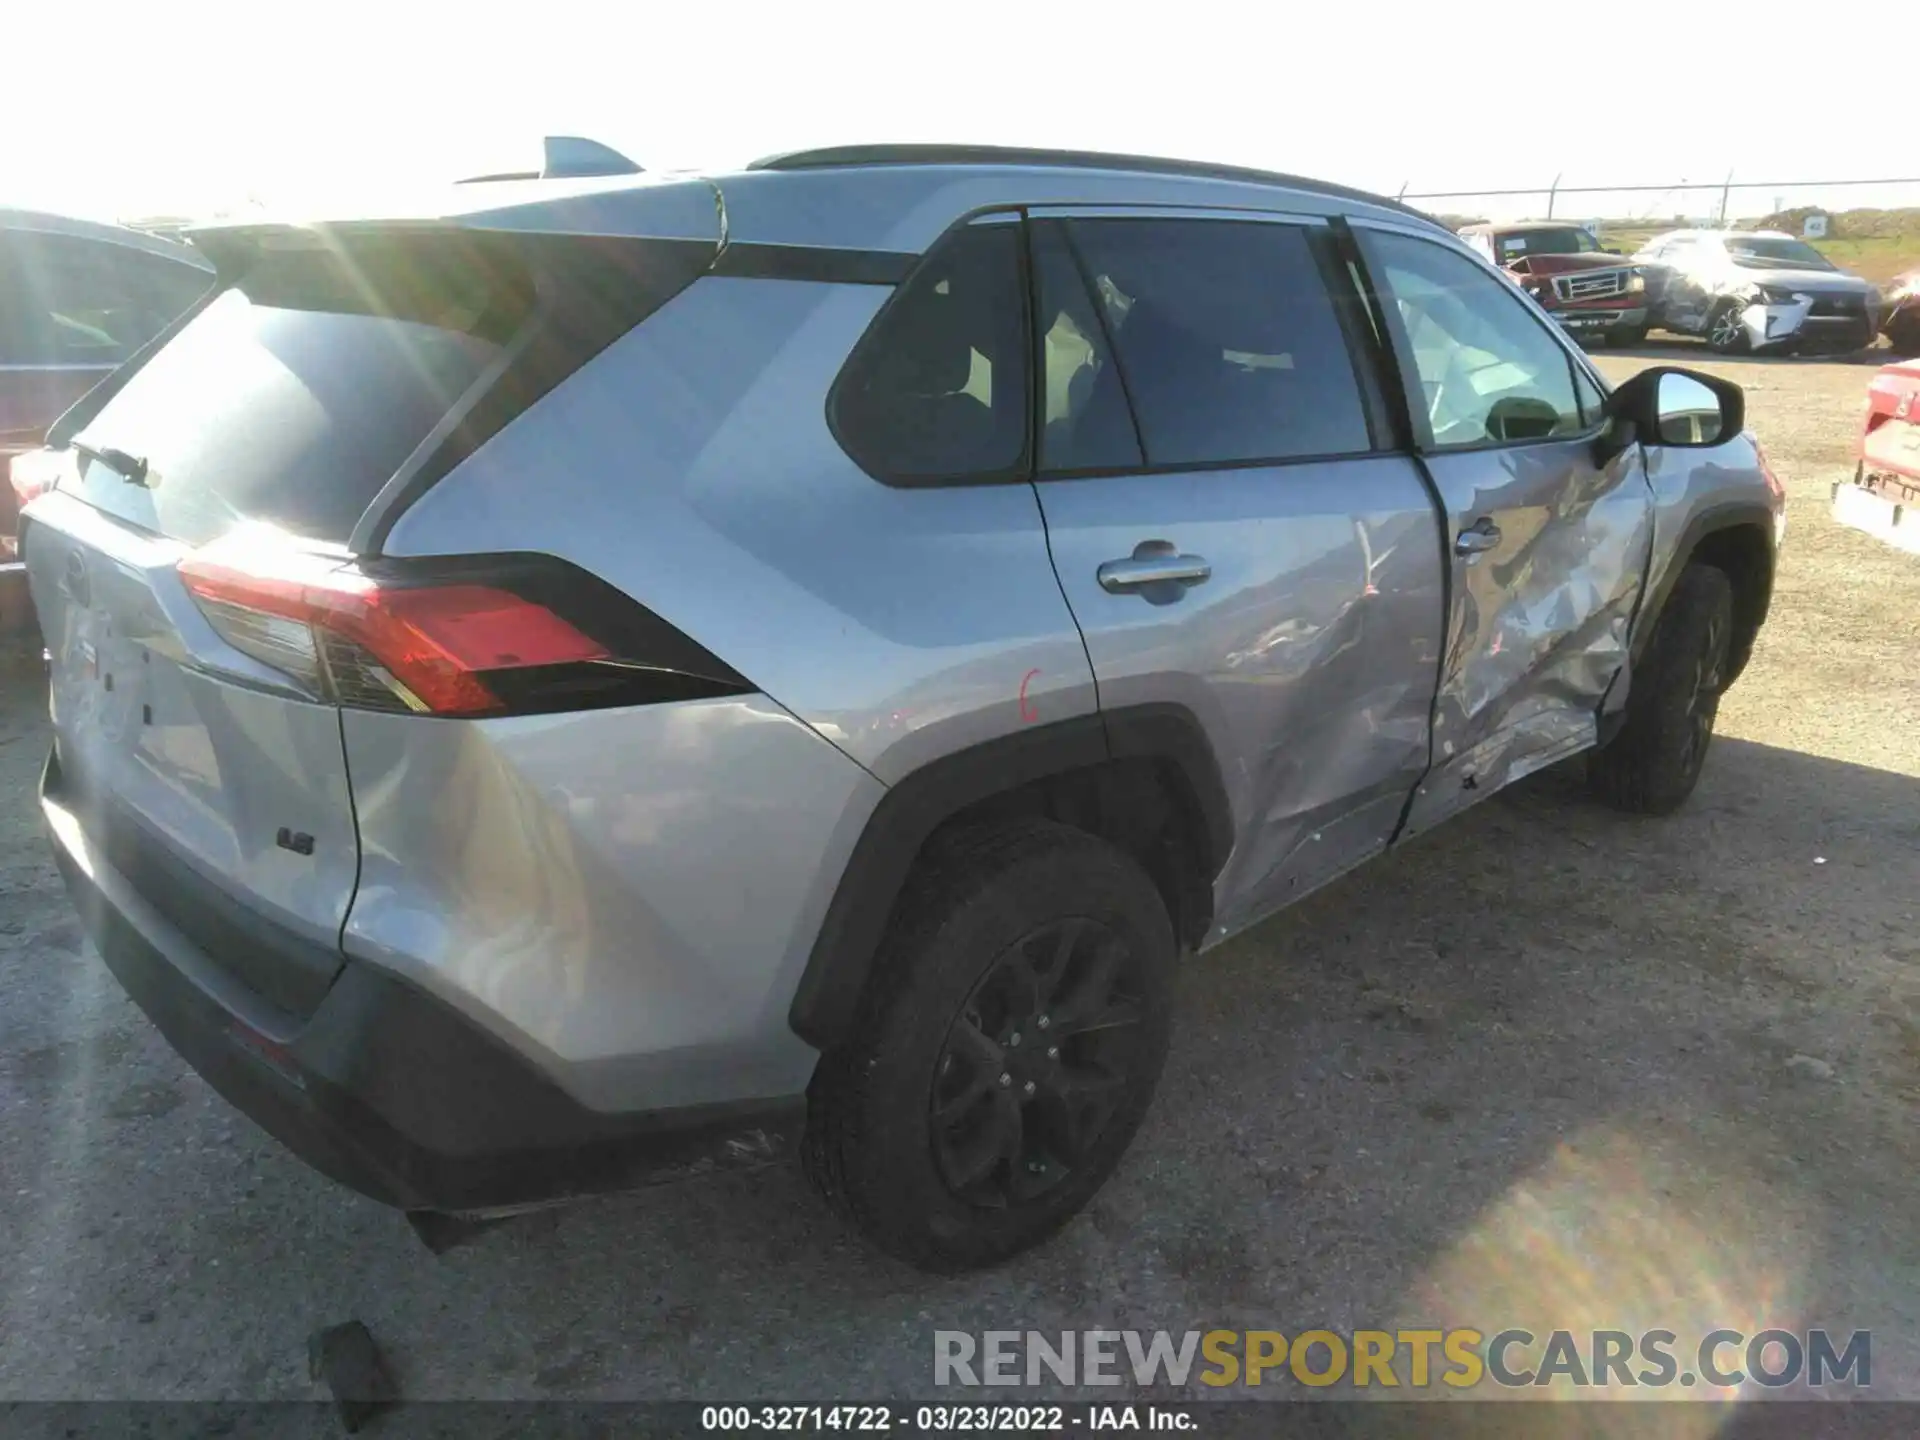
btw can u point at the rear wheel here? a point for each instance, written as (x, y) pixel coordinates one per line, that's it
(1726, 330)
(1007, 1052)
(1651, 766)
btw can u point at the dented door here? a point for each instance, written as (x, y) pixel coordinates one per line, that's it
(1236, 534)
(1547, 549)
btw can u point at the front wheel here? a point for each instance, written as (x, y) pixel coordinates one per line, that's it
(1651, 766)
(1006, 1053)
(1727, 329)
(1628, 335)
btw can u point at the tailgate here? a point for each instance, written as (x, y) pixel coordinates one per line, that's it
(192, 743)
(218, 793)
(196, 719)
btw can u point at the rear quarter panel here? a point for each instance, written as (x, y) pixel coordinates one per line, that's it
(630, 897)
(626, 897)
(691, 465)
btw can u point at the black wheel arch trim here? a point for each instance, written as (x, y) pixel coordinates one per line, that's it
(1730, 515)
(828, 995)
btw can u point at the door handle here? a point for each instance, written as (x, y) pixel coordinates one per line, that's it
(1477, 538)
(1153, 562)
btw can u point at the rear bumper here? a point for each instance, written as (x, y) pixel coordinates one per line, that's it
(385, 1088)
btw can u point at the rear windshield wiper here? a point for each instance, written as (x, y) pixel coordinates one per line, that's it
(130, 468)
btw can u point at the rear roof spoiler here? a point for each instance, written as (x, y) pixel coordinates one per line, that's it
(567, 157)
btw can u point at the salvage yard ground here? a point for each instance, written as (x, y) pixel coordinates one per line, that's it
(1549, 1067)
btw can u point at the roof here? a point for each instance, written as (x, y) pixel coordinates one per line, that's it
(839, 157)
(44, 222)
(896, 199)
(1494, 227)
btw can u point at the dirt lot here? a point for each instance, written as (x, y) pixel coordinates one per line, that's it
(1550, 1066)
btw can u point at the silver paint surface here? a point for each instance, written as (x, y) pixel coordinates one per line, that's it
(211, 752)
(1308, 655)
(692, 467)
(627, 897)
(1541, 624)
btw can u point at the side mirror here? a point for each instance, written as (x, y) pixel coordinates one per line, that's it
(1670, 406)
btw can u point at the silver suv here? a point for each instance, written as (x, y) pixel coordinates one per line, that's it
(612, 679)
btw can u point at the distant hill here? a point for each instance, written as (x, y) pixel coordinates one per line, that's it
(1844, 224)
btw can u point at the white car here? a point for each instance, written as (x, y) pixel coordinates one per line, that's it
(1756, 290)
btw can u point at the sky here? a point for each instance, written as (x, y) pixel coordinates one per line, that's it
(140, 110)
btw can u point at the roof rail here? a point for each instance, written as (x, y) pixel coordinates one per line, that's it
(848, 156)
(566, 157)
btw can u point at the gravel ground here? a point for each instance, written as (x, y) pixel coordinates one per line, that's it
(1549, 1066)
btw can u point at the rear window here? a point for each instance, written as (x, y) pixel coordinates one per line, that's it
(296, 394)
(937, 389)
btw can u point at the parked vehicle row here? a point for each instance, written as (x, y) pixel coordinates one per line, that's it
(1740, 291)
(800, 669)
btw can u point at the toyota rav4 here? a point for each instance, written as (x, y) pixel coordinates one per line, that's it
(608, 679)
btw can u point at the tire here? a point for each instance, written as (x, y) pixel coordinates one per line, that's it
(1651, 766)
(1731, 340)
(951, 1011)
(1628, 336)
(1904, 334)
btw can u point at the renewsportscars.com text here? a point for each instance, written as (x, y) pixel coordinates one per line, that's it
(1412, 1359)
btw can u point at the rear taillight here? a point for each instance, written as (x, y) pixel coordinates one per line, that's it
(465, 643)
(34, 472)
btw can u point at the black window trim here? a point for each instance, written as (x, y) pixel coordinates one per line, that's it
(1409, 371)
(1092, 297)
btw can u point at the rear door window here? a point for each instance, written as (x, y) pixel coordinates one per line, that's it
(937, 388)
(1227, 340)
(296, 394)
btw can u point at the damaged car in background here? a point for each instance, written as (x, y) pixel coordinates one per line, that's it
(1883, 498)
(1589, 291)
(1901, 323)
(1761, 290)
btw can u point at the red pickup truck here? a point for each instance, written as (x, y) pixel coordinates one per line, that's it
(1588, 290)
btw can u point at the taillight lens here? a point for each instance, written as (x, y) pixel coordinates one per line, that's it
(439, 649)
(34, 472)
